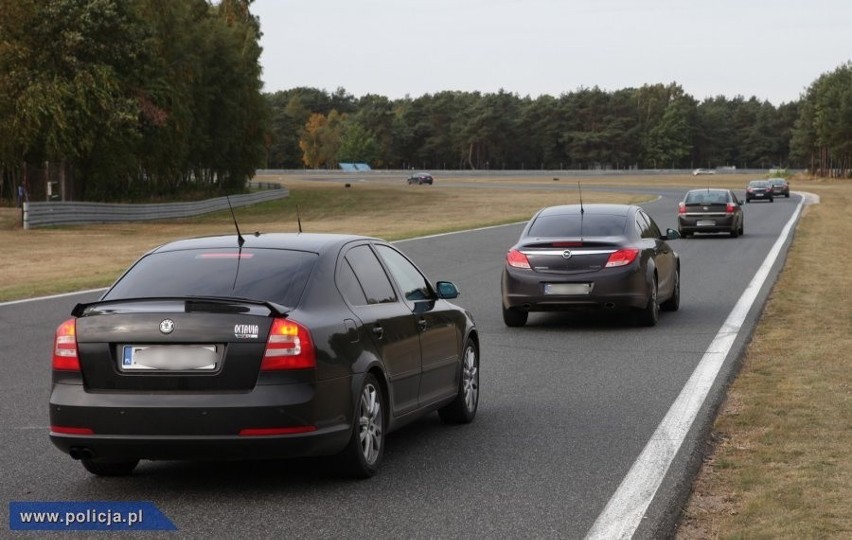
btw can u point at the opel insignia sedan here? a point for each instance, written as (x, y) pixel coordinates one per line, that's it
(268, 346)
(598, 256)
(710, 211)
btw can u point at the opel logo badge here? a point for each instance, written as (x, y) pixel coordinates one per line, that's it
(566, 254)
(167, 326)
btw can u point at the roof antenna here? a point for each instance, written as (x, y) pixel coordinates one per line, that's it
(240, 239)
(582, 210)
(298, 218)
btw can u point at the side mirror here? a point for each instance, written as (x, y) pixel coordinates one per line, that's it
(672, 234)
(447, 290)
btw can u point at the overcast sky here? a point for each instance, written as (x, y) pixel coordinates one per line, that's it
(771, 49)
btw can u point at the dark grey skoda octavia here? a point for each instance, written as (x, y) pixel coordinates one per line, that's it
(273, 345)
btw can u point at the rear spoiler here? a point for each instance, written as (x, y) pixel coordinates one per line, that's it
(191, 303)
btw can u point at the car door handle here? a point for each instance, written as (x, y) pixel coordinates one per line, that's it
(421, 324)
(378, 331)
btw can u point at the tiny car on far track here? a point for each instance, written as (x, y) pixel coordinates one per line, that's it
(607, 257)
(421, 178)
(268, 346)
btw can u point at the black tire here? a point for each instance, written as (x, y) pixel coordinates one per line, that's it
(684, 234)
(673, 303)
(735, 232)
(514, 317)
(110, 467)
(363, 454)
(462, 410)
(742, 228)
(650, 314)
(748, 201)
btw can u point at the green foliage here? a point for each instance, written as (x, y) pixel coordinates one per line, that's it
(132, 97)
(823, 132)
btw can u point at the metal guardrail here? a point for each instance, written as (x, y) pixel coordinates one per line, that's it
(44, 214)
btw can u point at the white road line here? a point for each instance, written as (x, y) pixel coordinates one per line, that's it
(63, 295)
(624, 511)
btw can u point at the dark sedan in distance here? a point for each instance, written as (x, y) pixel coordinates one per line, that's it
(268, 346)
(594, 256)
(780, 187)
(759, 190)
(421, 178)
(710, 211)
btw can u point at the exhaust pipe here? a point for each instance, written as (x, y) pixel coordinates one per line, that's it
(81, 452)
(609, 305)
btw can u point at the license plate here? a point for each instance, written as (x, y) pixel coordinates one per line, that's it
(567, 288)
(169, 358)
(758, 194)
(706, 223)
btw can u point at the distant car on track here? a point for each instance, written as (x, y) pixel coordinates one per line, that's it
(421, 178)
(759, 190)
(780, 187)
(710, 210)
(596, 256)
(268, 346)
(698, 172)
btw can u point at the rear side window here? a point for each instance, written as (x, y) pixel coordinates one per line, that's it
(371, 275)
(349, 286)
(273, 275)
(573, 227)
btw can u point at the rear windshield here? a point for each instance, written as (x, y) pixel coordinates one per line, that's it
(758, 183)
(273, 275)
(573, 227)
(706, 197)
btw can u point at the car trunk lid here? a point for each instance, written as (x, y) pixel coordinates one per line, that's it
(173, 344)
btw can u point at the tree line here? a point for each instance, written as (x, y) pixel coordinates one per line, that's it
(653, 127)
(128, 99)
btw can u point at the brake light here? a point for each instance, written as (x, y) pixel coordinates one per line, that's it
(681, 208)
(65, 347)
(730, 208)
(516, 259)
(68, 430)
(622, 257)
(289, 347)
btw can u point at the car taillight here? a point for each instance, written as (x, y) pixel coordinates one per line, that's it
(750, 190)
(730, 208)
(65, 347)
(289, 347)
(622, 257)
(516, 259)
(681, 208)
(68, 430)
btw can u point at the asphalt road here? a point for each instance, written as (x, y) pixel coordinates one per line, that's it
(567, 404)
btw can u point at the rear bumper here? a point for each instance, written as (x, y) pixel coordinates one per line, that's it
(614, 288)
(721, 223)
(135, 425)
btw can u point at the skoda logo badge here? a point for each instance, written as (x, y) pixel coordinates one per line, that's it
(167, 326)
(566, 254)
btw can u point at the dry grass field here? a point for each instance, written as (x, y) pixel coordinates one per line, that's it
(780, 463)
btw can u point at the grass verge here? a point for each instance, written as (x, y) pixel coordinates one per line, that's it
(55, 260)
(780, 465)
